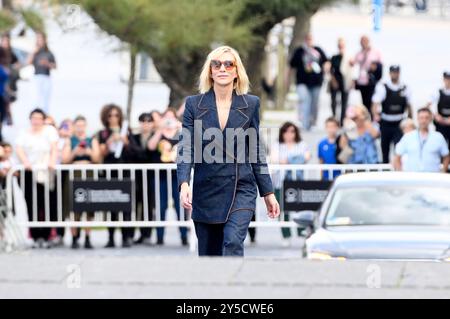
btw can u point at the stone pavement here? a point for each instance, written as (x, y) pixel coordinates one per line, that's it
(29, 275)
(268, 271)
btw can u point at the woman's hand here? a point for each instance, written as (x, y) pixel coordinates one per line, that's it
(52, 166)
(439, 118)
(373, 131)
(27, 165)
(78, 151)
(185, 196)
(88, 151)
(273, 208)
(343, 141)
(124, 140)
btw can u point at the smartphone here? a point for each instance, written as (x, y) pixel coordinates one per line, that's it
(82, 144)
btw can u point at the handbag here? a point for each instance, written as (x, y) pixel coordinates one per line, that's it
(345, 154)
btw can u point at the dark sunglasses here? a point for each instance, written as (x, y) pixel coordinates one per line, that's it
(216, 65)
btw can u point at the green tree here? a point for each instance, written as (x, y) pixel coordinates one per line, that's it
(7, 20)
(10, 16)
(178, 34)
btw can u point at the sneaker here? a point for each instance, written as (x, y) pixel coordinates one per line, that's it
(58, 241)
(139, 241)
(184, 241)
(40, 243)
(75, 244)
(87, 243)
(110, 244)
(147, 241)
(160, 242)
(46, 245)
(127, 243)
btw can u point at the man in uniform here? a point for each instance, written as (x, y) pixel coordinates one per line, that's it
(440, 105)
(390, 105)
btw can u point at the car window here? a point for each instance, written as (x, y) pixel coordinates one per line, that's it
(392, 205)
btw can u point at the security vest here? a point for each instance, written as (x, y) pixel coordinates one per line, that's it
(443, 105)
(394, 105)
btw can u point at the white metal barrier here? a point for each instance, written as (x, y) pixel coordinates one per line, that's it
(57, 214)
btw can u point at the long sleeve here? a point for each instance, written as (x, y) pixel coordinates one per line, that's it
(260, 169)
(185, 153)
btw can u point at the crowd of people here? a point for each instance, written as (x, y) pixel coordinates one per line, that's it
(43, 61)
(385, 104)
(351, 136)
(353, 130)
(45, 144)
(418, 149)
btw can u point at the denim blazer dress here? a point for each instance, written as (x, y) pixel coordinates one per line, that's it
(216, 183)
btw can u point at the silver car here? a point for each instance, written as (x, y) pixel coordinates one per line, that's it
(388, 215)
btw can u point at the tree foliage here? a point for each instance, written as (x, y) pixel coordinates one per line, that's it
(7, 20)
(178, 34)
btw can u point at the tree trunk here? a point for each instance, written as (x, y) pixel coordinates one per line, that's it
(301, 28)
(131, 82)
(180, 75)
(177, 97)
(253, 65)
(7, 5)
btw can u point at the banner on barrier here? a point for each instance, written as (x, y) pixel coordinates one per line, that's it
(101, 195)
(304, 195)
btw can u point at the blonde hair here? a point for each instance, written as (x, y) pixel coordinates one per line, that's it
(363, 109)
(206, 82)
(407, 123)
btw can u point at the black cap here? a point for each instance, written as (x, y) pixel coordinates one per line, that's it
(146, 117)
(447, 74)
(394, 68)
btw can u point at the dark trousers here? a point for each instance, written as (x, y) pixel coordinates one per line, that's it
(252, 231)
(35, 232)
(344, 99)
(366, 95)
(145, 232)
(285, 231)
(164, 196)
(224, 239)
(127, 232)
(390, 134)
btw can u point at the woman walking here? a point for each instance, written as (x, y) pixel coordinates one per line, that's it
(228, 172)
(44, 62)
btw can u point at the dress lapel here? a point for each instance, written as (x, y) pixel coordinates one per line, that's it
(210, 117)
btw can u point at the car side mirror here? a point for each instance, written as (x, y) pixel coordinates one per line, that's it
(305, 219)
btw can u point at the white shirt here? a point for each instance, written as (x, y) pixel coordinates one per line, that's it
(37, 147)
(293, 155)
(380, 91)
